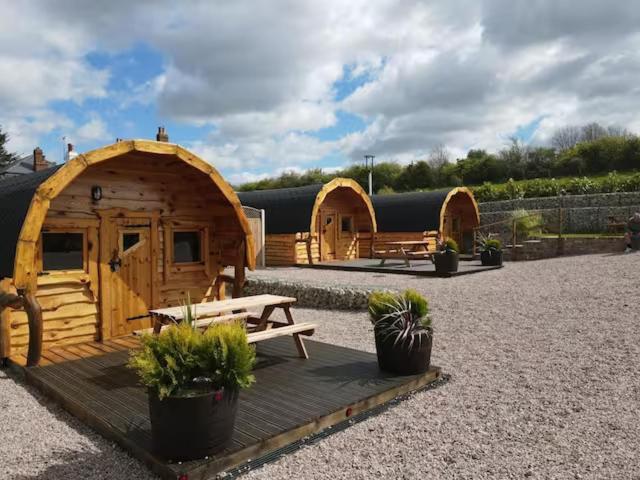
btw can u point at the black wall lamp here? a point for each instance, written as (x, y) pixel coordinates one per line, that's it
(96, 193)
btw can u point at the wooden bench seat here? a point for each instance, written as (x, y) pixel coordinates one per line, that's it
(418, 254)
(297, 328)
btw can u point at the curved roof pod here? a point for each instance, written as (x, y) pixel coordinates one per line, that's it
(421, 211)
(293, 210)
(24, 202)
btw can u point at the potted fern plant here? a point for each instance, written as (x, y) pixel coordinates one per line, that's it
(446, 259)
(193, 381)
(490, 251)
(402, 330)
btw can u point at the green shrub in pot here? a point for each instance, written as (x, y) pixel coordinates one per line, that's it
(446, 259)
(403, 332)
(193, 382)
(490, 251)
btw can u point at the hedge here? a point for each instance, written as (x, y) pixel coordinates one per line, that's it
(550, 187)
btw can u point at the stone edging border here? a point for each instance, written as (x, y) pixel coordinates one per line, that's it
(313, 295)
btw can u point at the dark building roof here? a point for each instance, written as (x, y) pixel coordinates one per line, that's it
(16, 193)
(409, 212)
(287, 210)
(20, 166)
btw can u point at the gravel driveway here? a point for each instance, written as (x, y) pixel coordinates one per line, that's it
(542, 356)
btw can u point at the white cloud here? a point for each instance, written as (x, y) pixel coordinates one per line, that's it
(92, 131)
(263, 77)
(25, 132)
(270, 154)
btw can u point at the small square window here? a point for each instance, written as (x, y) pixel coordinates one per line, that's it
(186, 247)
(346, 225)
(129, 240)
(62, 251)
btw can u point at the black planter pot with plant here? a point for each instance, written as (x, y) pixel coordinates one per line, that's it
(402, 330)
(490, 251)
(446, 260)
(193, 381)
(202, 422)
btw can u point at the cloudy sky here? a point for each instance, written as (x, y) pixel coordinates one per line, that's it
(263, 86)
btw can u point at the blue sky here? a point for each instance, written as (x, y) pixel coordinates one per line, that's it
(127, 117)
(274, 86)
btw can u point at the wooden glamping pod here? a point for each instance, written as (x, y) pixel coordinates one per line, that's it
(417, 215)
(93, 244)
(314, 223)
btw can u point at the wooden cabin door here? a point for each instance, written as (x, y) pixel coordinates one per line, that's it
(130, 279)
(328, 231)
(453, 228)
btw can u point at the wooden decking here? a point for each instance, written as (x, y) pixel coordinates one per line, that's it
(419, 268)
(292, 398)
(82, 350)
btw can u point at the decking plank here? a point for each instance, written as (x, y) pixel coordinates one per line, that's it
(292, 397)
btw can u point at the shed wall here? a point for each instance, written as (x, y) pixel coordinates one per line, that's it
(181, 196)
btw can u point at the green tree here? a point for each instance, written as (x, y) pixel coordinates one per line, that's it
(415, 176)
(539, 162)
(5, 156)
(480, 166)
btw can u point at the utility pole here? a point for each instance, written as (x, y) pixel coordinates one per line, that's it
(367, 159)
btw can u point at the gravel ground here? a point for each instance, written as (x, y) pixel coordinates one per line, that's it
(542, 357)
(40, 441)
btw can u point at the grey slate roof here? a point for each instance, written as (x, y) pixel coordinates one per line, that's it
(409, 212)
(16, 193)
(20, 166)
(287, 210)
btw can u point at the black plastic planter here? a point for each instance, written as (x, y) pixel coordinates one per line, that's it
(635, 242)
(187, 428)
(491, 257)
(401, 360)
(446, 262)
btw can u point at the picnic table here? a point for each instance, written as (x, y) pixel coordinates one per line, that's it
(260, 326)
(404, 250)
(614, 225)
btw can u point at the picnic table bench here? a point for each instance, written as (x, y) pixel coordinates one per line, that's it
(259, 326)
(403, 250)
(614, 225)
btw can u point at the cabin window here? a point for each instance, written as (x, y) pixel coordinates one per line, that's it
(129, 240)
(346, 224)
(187, 247)
(62, 251)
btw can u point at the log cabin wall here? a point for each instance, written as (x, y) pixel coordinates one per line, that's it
(452, 213)
(352, 217)
(294, 221)
(290, 249)
(460, 220)
(164, 188)
(280, 249)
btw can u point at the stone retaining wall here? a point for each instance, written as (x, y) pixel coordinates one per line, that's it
(582, 213)
(313, 294)
(553, 247)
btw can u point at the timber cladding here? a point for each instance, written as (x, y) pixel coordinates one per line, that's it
(451, 213)
(164, 226)
(314, 223)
